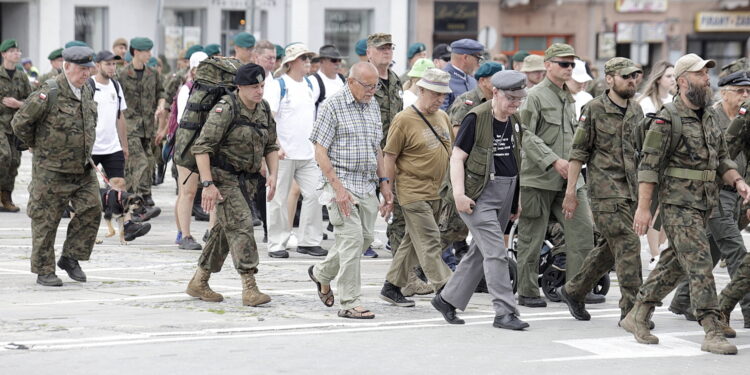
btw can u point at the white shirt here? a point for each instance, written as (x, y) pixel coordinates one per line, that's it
(107, 139)
(331, 85)
(409, 98)
(647, 105)
(581, 99)
(294, 115)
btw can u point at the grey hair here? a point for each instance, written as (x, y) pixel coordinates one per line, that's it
(358, 68)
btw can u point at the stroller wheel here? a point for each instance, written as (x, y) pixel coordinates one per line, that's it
(551, 279)
(513, 272)
(602, 286)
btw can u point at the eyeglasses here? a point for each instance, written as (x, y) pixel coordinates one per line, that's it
(386, 47)
(633, 75)
(335, 61)
(374, 87)
(480, 58)
(564, 64)
(514, 99)
(741, 91)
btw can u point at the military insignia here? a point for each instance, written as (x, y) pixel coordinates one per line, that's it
(743, 110)
(219, 110)
(42, 96)
(518, 129)
(259, 78)
(468, 102)
(659, 121)
(583, 118)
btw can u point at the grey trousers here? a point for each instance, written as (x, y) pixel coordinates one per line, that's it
(487, 254)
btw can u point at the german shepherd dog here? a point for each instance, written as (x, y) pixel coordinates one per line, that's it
(120, 205)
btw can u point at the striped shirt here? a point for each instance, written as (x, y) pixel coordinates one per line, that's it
(351, 132)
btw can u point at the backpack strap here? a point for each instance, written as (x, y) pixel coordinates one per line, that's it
(309, 84)
(322, 87)
(676, 126)
(51, 96)
(282, 85)
(92, 84)
(341, 77)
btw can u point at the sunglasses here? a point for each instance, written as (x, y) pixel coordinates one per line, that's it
(633, 75)
(304, 57)
(335, 61)
(564, 64)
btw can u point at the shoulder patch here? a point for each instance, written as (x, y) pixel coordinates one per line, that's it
(219, 109)
(468, 102)
(42, 96)
(583, 118)
(743, 110)
(660, 121)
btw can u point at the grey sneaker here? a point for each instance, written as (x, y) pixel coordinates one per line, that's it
(188, 243)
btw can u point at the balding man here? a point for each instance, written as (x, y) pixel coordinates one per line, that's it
(346, 135)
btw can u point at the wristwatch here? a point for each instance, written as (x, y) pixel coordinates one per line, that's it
(207, 183)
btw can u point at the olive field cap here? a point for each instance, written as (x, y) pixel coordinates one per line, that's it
(379, 39)
(691, 63)
(533, 63)
(559, 50)
(620, 66)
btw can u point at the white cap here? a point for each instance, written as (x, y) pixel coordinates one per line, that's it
(579, 72)
(196, 58)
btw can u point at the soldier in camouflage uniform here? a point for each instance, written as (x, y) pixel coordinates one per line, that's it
(390, 99)
(56, 60)
(603, 142)
(144, 93)
(58, 122)
(686, 172)
(239, 132)
(14, 89)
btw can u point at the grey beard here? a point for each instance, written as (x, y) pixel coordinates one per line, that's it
(699, 96)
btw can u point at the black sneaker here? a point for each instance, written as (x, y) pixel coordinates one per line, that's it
(49, 279)
(72, 267)
(577, 309)
(146, 214)
(509, 321)
(278, 254)
(315, 251)
(135, 230)
(445, 308)
(392, 294)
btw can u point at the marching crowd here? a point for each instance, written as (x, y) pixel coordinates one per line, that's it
(457, 146)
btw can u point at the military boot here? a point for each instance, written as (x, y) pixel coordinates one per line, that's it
(723, 319)
(198, 287)
(715, 342)
(251, 295)
(7, 202)
(637, 323)
(415, 285)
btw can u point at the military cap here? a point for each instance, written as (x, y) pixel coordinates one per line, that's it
(415, 49)
(141, 44)
(212, 49)
(441, 51)
(511, 82)
(128, 57)
(734, 66)
(533, 63)
(379, 39)
(488, 69)
(559, 50)
(467, 47)
(120, 42)
(75, 43)
(361, 47)
(620, 66)
(329, 51)
(152, 62)
(193, 49)
(56, 54)
(435, 80)
(691, 63)
(740, 78)
(520, 55)
(419, 67)
(105, 55)
(79, 55)
(249, 74)
(244, 40)
(8, 44)
(279, 51)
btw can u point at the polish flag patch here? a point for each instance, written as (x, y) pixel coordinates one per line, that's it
(42, 96)
(468, 102)
(660, 121)
(743, 110)
(583, 118)
(218, 110)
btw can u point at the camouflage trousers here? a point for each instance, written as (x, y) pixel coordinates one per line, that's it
(726, 242)
(738, 288)
(452, 227)
(233, 231)
(49, 194)
(537, 204)
(621, 249)
(396, 227)
(10, 159)
(688, 254)
(139, 168)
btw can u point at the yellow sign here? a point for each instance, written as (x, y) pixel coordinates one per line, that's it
(722, 21)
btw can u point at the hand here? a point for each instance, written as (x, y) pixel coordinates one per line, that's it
(743, 190)
(561, 166)
(282, 153)
(263, 170)
(12, 102)
(386, 205)
(515, 216)
(270, 187)
(570, 203)
(464, 204)
(641, 221)
(159, 137)
(344, 199)
(159, 112)
(209, 197)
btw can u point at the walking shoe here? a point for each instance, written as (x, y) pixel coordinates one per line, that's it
(576, 308)
(206, 235)
(636, 322)
(251, 295)
(178, 238)
(189, 243)
(135, 230)
(199, 214)
(652, 263)
(593, 298)
(72, 267)
(509, 321)
(531, 301)
(49, 279)
(148, 201)
(445, 308)
(370, 253)
(723, 321)
(199, 288)
(392, 294)
(278, 254)
(715, 342)
(315, 251)
(679, 310)
(145, 214)
(7, 203)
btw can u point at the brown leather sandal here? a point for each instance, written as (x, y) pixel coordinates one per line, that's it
(326, 298)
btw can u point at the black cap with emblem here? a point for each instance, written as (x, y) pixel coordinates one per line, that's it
(740, 78)
(79, 55)
(249, 74)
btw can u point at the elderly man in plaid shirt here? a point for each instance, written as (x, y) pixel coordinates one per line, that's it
(347, 136)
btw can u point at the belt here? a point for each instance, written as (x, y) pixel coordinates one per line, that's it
(728, 188)
(691, 174)
(242, 176)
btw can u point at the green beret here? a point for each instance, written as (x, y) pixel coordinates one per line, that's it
(279, 51)
(243, 39)
(415, 49)
(152, 62)
(519, 56)
(56, 54)
(212, 50)
(141, 44)
(8, 44)
(488, 69)
(75, 43)
(361, 47)
(193, 49)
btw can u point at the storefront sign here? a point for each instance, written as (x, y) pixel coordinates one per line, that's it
(456, 16)
(641, 32)
(641, 6)
(722, 21)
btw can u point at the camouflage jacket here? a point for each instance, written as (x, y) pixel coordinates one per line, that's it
(701, 149)
(390, 99)
(602, 141)
(548, 115)
(51, 74)
(465, 103)
(172, 84)
(245, 145)
(741, 158)
(142, 97)
(62, 135)
(18, 88)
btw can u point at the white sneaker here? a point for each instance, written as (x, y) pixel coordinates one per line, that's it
(292, 243)
(376, 244)
(652, 263)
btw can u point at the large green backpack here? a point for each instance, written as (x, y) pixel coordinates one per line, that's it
(214, 78)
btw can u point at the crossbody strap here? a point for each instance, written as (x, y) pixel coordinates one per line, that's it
(440, 140)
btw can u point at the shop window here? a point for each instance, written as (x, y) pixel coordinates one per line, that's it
(531, 43)
(233, 22)
(182, 28)
(91, 25)
(344, 27)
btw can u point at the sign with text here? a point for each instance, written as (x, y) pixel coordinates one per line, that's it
(641, 6)
(722, 21)
(454, 16)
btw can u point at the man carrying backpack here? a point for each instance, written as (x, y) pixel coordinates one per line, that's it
(603, 142)
(238, 133)
(327, 81)
(686, 172)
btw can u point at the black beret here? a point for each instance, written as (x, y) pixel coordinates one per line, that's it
(249, 74)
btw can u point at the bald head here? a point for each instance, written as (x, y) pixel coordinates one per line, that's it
(362, 68)
(363, 81)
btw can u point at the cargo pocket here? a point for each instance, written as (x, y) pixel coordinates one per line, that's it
(531, 205)
(603, 205)
(553, 126)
